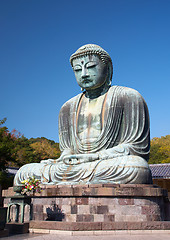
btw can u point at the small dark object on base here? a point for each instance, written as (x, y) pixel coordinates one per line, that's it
(17, 189)
(54, 213)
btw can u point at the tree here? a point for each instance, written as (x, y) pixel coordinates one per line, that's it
(43, 149)
(22, 152)
(160, 150)
(6, 146)
(16, 150)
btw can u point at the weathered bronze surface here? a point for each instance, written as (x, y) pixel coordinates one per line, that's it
(104, 131)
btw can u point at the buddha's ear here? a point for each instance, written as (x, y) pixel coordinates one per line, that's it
(109, 73)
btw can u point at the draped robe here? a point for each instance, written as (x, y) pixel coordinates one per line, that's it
(123, 145)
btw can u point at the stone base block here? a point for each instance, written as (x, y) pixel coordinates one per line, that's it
(99, 203)
(98, 226)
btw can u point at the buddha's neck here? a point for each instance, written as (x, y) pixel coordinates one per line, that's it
(94, 93)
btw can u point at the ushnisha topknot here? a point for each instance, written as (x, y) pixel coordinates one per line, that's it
(90, 49)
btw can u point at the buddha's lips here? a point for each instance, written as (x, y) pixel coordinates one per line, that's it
(86, 80)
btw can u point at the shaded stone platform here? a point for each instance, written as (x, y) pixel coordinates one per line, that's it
(99, 207)
(17, 228)
(4, 233)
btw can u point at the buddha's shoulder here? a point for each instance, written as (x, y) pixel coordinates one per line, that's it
(122, 91)
(71, 102)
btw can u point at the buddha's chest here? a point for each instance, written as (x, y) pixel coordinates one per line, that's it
(89, 118)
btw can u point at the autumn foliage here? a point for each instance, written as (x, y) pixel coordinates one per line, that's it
(16, 150)
(160, 150)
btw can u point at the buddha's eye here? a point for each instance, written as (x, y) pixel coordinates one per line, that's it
(77, 68)
(91, 64)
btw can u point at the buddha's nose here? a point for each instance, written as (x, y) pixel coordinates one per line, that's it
(84, 72)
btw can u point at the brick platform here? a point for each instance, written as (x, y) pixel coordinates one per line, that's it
(99, 203)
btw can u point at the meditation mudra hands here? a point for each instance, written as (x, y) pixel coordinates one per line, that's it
(80, 158)
(73, 159)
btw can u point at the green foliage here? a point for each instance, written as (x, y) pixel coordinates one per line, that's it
(22, 152)
(44, 150)
(16, 150)
(3, 121)
(160, 150)
(6, 145)
(33, 140)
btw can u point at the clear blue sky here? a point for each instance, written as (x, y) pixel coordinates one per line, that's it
(37, 38)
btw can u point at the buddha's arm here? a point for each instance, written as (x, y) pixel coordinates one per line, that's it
(117, 151)
(134, 128)
(66, 152)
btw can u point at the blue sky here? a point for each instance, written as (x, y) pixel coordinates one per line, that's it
(37, 38)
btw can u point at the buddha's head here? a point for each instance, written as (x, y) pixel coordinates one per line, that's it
(92, 66)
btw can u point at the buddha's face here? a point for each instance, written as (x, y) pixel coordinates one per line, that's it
(90, 72)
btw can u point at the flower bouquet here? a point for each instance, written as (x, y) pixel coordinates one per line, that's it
(31, 185)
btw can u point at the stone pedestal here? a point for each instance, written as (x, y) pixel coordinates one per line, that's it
(101, 203)
(100, 206)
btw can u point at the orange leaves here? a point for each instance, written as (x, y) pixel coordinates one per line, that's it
(44, 149)
(160, 150)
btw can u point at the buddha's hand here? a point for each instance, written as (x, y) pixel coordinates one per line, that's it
(80, 158)
(50, 161)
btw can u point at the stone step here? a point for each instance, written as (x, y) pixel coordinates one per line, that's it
(92, 226)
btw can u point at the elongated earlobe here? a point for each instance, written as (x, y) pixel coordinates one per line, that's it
(109, 74)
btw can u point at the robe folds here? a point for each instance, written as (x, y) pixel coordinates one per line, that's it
(123, 145)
